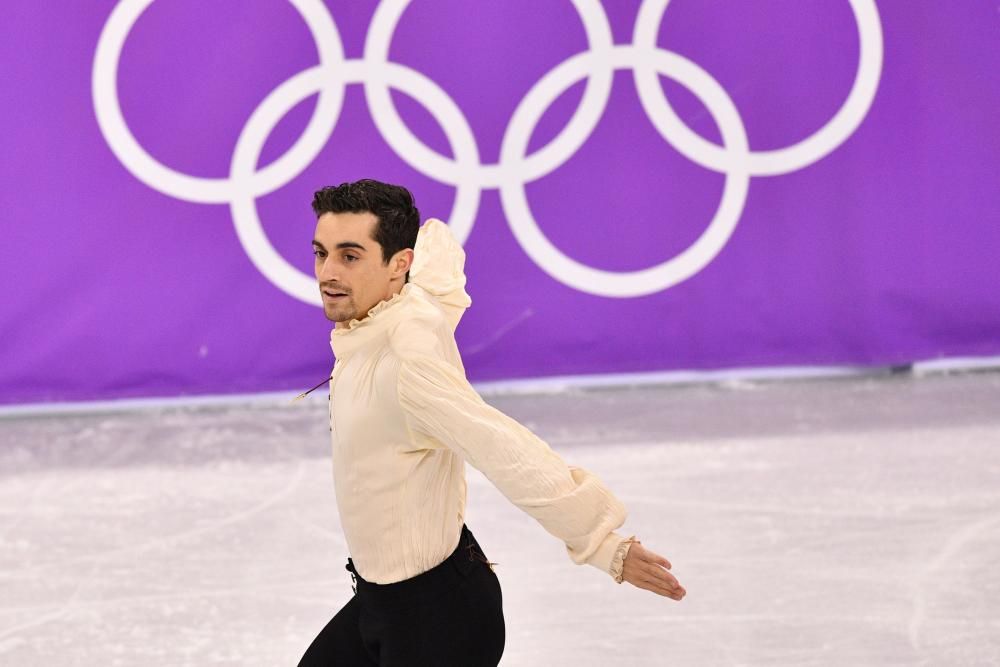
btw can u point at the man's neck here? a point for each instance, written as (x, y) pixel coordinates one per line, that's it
(393, 291)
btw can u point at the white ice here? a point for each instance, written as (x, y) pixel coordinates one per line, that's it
(844, 521)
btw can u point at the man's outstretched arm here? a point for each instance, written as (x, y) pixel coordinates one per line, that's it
(570, 502)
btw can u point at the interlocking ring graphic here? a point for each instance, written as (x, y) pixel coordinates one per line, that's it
(515, 168)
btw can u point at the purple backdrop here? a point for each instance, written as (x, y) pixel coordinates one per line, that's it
(874, 244)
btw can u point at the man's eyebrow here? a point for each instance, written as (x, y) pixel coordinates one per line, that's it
(343, 244)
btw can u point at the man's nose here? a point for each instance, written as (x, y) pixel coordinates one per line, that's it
(328, 272)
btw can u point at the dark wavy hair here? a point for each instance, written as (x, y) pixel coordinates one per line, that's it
(393, 205)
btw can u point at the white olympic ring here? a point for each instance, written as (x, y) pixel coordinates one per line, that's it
(465, 171)
(210, 190)
(762, 163)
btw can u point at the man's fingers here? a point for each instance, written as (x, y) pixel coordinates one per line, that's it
(653, 557)
(658, 587)
(658, 579)
(654, 571)
(659, 560)
(649, 585)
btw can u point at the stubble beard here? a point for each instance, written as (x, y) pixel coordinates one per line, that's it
(342, 313)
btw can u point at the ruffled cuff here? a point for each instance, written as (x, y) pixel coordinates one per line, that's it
(618, 560)
(609, 556)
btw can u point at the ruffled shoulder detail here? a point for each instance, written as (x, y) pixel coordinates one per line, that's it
(618, 561)
(439, 268)
(438, 259)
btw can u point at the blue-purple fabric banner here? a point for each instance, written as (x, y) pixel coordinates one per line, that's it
(639, 186)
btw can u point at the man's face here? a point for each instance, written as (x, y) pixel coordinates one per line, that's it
(349, 263)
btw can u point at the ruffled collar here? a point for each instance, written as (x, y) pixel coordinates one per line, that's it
(359, 332)
(373, 312)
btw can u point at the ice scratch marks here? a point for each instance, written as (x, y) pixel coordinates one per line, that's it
(925, 578)
(8, 645)
(98, 562)
(318, 530)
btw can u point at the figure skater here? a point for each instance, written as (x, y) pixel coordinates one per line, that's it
(404, 420)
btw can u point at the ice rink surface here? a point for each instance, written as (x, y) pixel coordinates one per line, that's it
(839, 521)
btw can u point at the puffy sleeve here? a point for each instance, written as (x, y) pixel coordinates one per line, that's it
(570, 502)
(439, 268)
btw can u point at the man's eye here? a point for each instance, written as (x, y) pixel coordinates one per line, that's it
(318, 253)
(350, 257)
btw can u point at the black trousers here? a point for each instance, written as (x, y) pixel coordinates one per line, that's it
(448, 616)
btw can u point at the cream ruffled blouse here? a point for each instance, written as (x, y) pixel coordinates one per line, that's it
(404, 420)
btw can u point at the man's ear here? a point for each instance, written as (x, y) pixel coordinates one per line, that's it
(403, 261)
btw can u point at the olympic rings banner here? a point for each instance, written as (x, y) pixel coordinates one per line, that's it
(639, 186)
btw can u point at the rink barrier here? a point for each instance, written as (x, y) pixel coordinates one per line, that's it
(727, 377)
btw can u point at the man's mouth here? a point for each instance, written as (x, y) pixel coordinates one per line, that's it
(334, 296)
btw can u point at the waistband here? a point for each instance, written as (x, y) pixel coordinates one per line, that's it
(466, 555)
